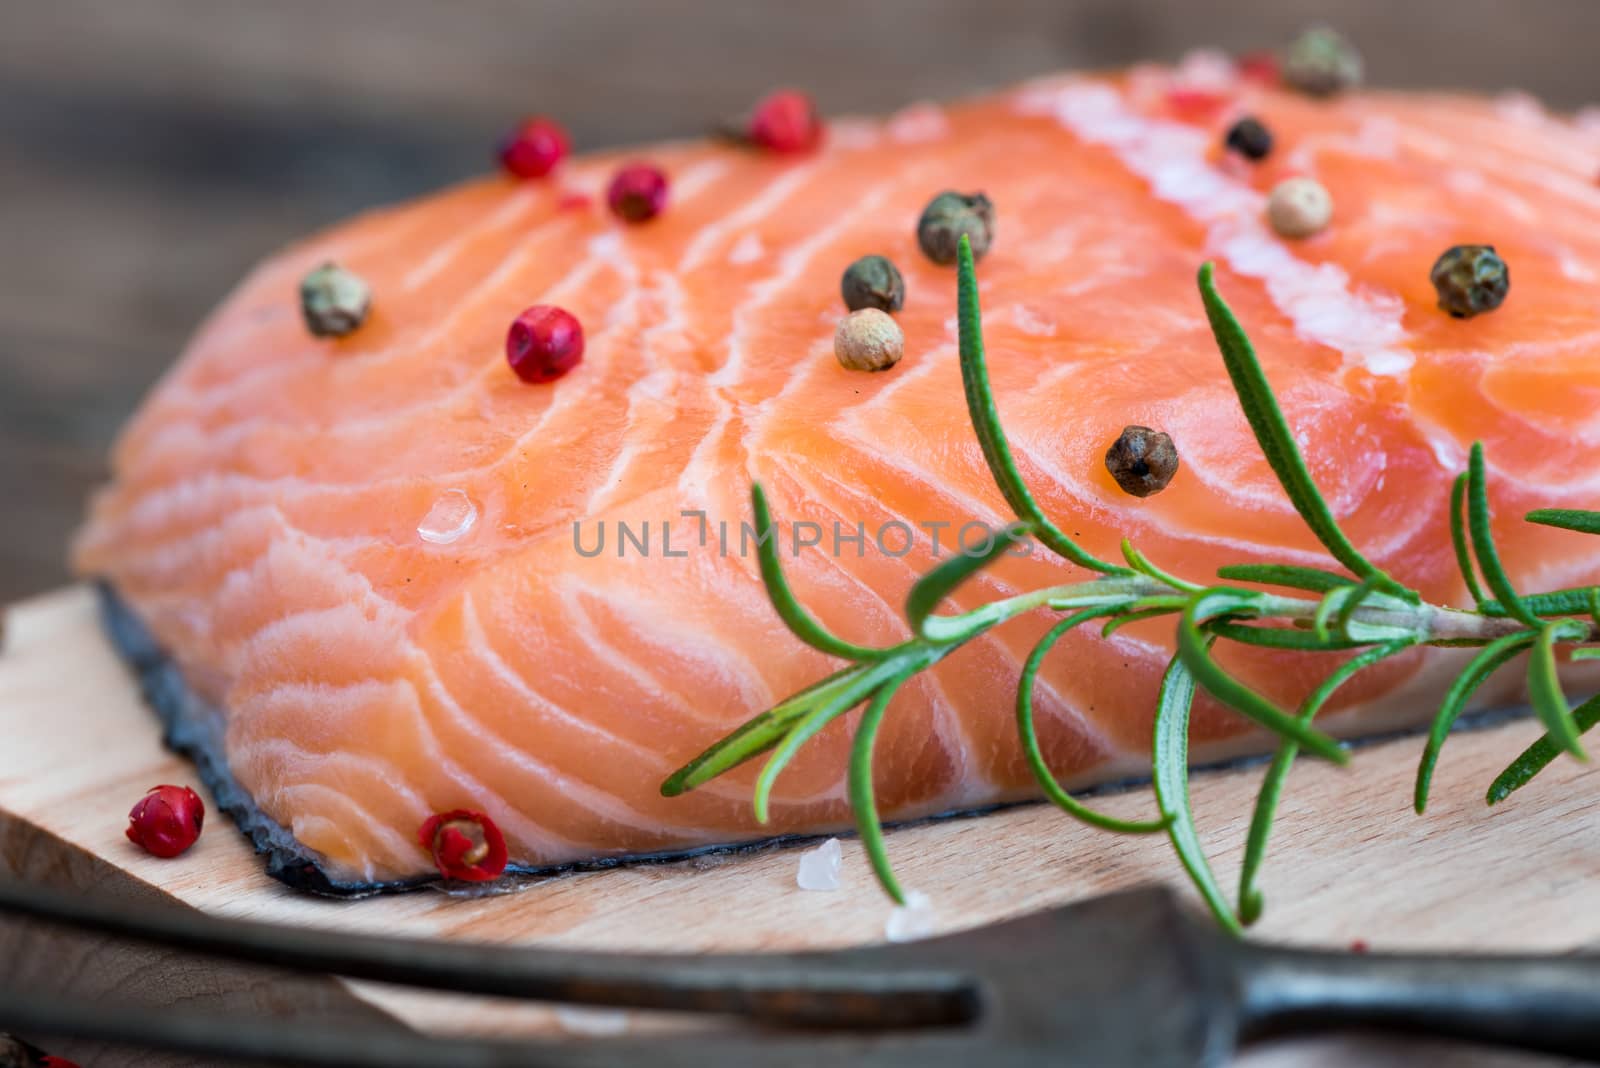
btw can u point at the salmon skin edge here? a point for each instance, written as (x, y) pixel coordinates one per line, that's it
(191, 727)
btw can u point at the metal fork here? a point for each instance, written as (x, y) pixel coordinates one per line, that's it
(1128, 979)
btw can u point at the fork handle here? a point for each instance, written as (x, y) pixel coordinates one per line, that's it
(1542, 1004)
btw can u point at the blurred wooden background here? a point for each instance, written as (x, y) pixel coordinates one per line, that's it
(151, 150)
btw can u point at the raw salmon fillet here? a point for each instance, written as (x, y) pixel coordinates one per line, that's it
(266, 518)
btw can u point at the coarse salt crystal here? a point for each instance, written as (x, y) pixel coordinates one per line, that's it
(596, 1022)
(910, 921)
(451, 516)
(819, 867)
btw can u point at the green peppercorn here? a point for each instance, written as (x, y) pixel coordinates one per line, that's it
(333, 301)
(1321, 63)
(947, 217)
(1142, 460)
(1250, 138)
(1470, 280)
(873, 282)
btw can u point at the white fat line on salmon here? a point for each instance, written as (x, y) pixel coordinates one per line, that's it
(1172, 158)
(518, 825)
(354, 770)
(760, 207)
(819, 353)
(521, 202)
(690, 183)
(696, 256)
(653, 390)
(484, 652)
(740, 672)
(1377, 137)
(748, 249)
(1502, 163)
(793, 266)
(436, 759)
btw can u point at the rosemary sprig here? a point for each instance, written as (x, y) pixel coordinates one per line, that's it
(862, 801)
(1458, 536)
(1170, 780)
(1365, 613)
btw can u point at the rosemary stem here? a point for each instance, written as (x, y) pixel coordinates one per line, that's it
(1430, 623)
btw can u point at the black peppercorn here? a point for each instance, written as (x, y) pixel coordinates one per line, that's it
(1470, 280)
(873, 282)
(1250, 138)
(947, 217)
(1142, 460)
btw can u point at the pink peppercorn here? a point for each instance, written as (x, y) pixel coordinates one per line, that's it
(533, 149)
(785, 121)
(544, 343)
(465, 845)
(637, 193)
(167, 820)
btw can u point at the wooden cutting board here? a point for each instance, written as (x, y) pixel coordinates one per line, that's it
(1349, 861)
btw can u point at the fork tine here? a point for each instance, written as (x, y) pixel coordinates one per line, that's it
(265, 1041)
(860, 989)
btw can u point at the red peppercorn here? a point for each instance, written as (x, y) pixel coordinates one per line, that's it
(544, 343)
(785, 121)
(1359, 945)
(167, 820)
(638, 192)
(48, 1061)
(465, 845)
(533, 149)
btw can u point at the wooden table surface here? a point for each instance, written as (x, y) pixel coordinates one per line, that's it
(150, 151)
